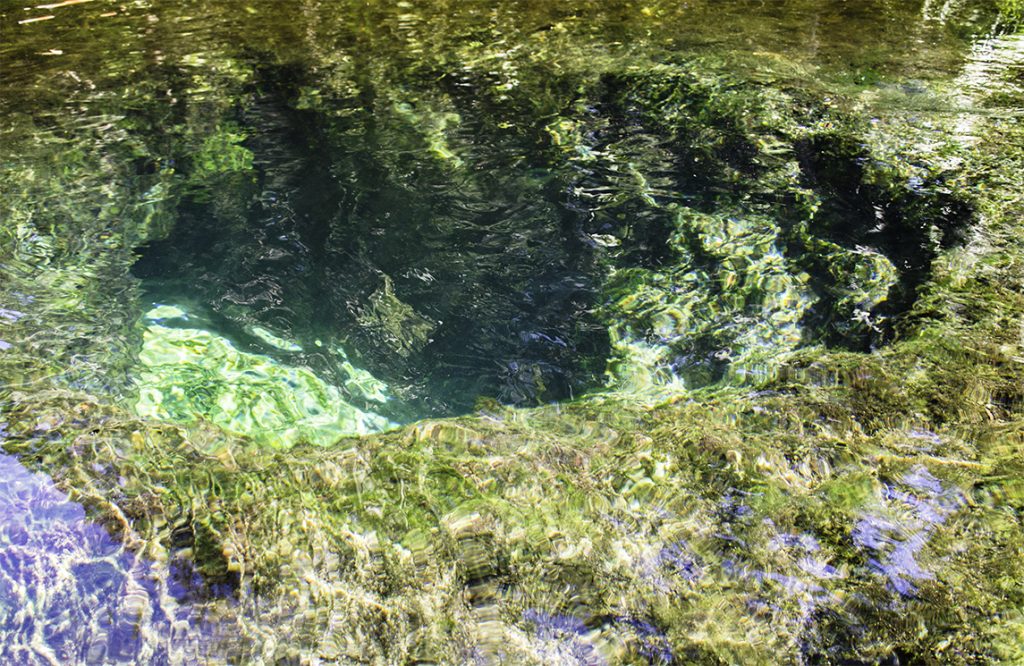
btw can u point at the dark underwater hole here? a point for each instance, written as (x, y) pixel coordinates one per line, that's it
(447, 282)
(910, 221)
(466, 270)
(712, 163)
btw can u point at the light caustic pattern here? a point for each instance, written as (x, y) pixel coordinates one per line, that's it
(188, 373)
(790, 220)
(70, 593)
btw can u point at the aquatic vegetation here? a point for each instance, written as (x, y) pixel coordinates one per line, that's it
(801, 276)
(1011, 12)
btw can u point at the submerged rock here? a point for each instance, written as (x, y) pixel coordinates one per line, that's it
(189, 373)
(393, 323)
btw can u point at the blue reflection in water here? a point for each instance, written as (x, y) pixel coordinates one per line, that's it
(566, 639)
(897, 531)
(680, 560)
(71, 594)
(563, 638)
(650, 641)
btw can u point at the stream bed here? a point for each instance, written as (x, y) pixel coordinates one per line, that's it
(512, 333)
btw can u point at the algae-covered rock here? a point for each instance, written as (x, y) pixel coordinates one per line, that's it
(189, 373)
(393, 323)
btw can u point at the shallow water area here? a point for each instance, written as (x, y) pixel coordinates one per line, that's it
(573, 333)
(70, 593)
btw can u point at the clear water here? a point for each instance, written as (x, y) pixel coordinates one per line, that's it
(407, 213)
(241, 238)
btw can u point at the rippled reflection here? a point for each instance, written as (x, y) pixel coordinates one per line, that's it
(539, 333)
(70, 593)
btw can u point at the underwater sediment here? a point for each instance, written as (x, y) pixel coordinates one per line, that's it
(512, 334)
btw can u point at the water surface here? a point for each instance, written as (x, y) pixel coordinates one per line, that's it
(236, 233)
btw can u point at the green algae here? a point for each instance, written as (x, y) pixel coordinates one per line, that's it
(394, 323)
(1011, 12)
(742, 524)
(188, 373)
